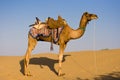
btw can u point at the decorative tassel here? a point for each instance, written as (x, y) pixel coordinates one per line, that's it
(51, 48)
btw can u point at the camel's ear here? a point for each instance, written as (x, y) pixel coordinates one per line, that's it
(86, 13)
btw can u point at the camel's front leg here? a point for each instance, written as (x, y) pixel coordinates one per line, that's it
(31, 45)
(26, 62)
(61, 51)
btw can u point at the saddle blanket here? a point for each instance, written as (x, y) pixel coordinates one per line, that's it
(46, 32)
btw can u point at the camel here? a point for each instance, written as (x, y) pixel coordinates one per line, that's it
(66, 35)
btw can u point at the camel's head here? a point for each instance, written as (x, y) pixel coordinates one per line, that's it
(89, 16)
(38, 24)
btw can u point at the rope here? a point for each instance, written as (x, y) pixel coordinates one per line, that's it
(79, 65)
(94, 52)
(94, 55)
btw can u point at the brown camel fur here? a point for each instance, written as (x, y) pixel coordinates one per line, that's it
(66, 35)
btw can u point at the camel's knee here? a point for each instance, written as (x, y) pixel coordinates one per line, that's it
(60, 61)
(60, 58)
(26, 61)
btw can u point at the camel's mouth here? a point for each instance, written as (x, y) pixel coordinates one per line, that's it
(95, 17)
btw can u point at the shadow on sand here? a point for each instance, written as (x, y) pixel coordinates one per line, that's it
(43, 61)
(109, 76)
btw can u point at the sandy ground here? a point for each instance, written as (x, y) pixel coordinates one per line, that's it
(83, 65)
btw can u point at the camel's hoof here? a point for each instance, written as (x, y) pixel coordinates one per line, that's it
(28, 74)
(61, 74)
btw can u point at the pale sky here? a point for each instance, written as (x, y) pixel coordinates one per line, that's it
(17, 15)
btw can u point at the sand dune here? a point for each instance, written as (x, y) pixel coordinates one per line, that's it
(83, 65)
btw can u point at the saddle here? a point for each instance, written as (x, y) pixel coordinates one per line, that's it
(54, 24)
(51, 28)
(46, 32)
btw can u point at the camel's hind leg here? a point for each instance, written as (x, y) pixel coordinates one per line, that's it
(61, 51)
(31, 45)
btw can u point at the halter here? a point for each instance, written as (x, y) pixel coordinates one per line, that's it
(82, 28)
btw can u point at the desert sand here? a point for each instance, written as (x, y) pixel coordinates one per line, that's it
(82, 65)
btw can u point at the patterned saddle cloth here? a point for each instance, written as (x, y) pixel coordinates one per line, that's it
(46, 32)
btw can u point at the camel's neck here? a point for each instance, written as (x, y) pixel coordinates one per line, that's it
(75, 34)
(83, 23)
